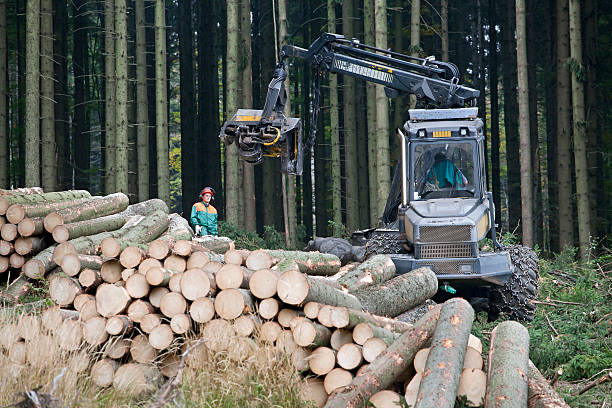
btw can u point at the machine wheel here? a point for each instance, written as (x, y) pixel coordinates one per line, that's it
(515, 297)
(384, 243)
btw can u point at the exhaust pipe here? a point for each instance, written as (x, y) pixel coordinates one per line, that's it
(404, 167)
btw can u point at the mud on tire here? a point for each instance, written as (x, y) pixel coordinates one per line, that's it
(515, 298)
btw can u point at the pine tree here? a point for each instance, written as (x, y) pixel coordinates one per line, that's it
(382, 113)
(564, 163)
(444, 28)
(232, 180)
(60, 68)
(110, 138)
(4, 182)
(415, 36)
(161, 103)
(121, 115)
(32, 126)
(142, 101)
(368, 27)
(335, 133)
(47, 105)
(580, 159)
(493, 82)
(525, 136)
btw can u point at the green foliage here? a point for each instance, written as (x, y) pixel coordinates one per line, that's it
(338, 230)
(250, 240)
(577, 69)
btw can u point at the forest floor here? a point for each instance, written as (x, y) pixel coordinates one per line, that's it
(572, 330)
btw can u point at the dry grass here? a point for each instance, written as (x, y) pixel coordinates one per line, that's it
(240, 372)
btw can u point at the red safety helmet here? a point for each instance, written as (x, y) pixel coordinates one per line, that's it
(208, 190)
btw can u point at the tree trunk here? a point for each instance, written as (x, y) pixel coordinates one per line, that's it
(445, 360)
(190, 162)
(142, 101)
(412, 288)
(350, 131)
(47, 104)
(17, 212)
(383, 371)
(62, 134)
(246, 76)
(41, 199)
(368, 26)
(4, 181)
(32, 126)
(121, 92)
(525, 129)
(161, 103)
(415, 37)
(312, 263)
(65, 232)
(540, 393)
(295, 288)
(232, 179)
(444, 28)
(508, 365)
(493, 83)
(110, 141)
(377, 269)
(579, 127)
(81, 132)
(510, 119)
(108, 205)
(382, 113)
(208, 95)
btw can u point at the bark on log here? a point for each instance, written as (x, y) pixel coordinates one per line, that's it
(296, 288)
(312, 263)
(400, 293)
(445, 361)
(541, 394)
(389, 365)
(95, 208)
(18, 212)
(508, 365)
(219, 245)
(68, 231)
(376, 270)
(8, 200)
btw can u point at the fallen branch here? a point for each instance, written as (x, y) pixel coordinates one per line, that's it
(604, 378)
(551, 326)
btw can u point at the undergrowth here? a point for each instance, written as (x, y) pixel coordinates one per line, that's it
(572, 326)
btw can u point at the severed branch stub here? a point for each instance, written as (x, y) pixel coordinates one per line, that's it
(604, 378)
(167, 392)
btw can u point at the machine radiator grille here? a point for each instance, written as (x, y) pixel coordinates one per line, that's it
(448, 233)
(434, 251)
(445, 267)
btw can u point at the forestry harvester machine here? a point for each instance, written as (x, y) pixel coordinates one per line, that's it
(438, 212)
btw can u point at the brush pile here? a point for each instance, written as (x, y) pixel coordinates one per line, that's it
(144, 292)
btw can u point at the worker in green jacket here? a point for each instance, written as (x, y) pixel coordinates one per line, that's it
(204, 215)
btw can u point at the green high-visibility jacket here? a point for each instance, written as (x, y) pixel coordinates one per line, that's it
(206, 216)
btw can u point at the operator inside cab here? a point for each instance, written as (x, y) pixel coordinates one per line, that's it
(444, 174)
(443, 171)
(203, 214)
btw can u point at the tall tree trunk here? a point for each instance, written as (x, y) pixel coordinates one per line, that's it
(382, 112)
(415, 36)
(350, 137)
(232, 180)
(493, 80)
(80, 65)
(291, 219)
(131, 109)
(47, 104)
(62, 135)
(190, 161)
(121, 118)
(4, 182)
(208, 97)
(32, 156)
(322, 172)
(335, 134)
(525, 150)
(580, 159)
(368, 28)
(307, 178)
(564, 162)
(142, 103)
(110, 138)
(510, 119)
(551, 204)
(248, 178)
(482, 101)
(21, 92)
(533, 125)
(161, 103)
(444, 28)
